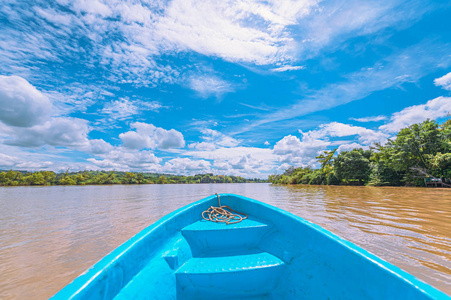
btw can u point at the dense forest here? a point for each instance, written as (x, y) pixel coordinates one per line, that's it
(14, 178)
(417, 152)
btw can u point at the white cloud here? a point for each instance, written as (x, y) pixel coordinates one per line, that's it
(19, 163)
(207, 85)
(444, 81)
(186, 166)
(292, 150)
(351, 146)
(77, 97)
(229, 158)
(335, 129)
(126, 159)
(98, 146)
(232, 153)
(94, 7)
(288, 68)
(436, 108)
(7, 162)
(27, 121)
(54, 17)
(151, 137)
(334, 22)
(120, 109)
(213, 139)
(125, 38)
(219, 138)
(243, 161)
(21, 104)
(66, 132)
(247, 162)
(203, 146)
(248, 31)
(266, 143)
(125, 108)
(369, 119)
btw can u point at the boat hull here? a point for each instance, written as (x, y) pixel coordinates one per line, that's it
(271, 255)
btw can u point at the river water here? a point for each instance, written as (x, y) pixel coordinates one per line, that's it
(49, 235)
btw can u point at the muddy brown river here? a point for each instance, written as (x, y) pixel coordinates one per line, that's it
(49, 235)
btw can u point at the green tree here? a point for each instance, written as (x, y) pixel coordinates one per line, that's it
(162, 180)
(325, 159)
(140, 178)
(353, 166)
(417, 150)
(414, 144)
(36, 178)
(382, 174)
(130, 178)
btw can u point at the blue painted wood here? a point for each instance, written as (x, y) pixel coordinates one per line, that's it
(271, 255)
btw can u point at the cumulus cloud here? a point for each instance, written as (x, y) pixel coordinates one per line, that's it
(238, 160)
(67, 132)
(98, 146)
(7, 161)
(126, 159)
(21, 104)
(186, 166)
(351, 146)
(27, 122)
(203, 146)
(436, 108)
(292, 150)
(21, 163)
(228, 157)
(213, 139)
(246, 162)
(335, 129)
(444, 81)
(151, 137)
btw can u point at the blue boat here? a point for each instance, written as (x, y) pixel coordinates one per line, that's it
(263, 253)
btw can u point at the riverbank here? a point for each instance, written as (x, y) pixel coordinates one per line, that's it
(43, 178)
(419, 154)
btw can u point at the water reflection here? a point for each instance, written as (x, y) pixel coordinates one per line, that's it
(49, 235)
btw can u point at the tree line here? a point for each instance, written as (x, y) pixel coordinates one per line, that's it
(16, 178)
(419, 151)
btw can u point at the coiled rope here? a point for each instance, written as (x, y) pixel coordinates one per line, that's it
(223, 214)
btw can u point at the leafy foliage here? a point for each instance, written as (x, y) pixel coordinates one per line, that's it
(353, 166)
(423, 148)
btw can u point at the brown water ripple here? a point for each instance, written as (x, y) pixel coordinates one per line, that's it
(49, 235)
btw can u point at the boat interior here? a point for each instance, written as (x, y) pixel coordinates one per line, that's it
(270, 255)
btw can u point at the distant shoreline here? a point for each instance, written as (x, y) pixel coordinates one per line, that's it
(49, 178)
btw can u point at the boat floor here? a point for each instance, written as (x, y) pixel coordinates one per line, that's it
(210, 260)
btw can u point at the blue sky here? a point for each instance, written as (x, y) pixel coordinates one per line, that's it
(230, 87)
